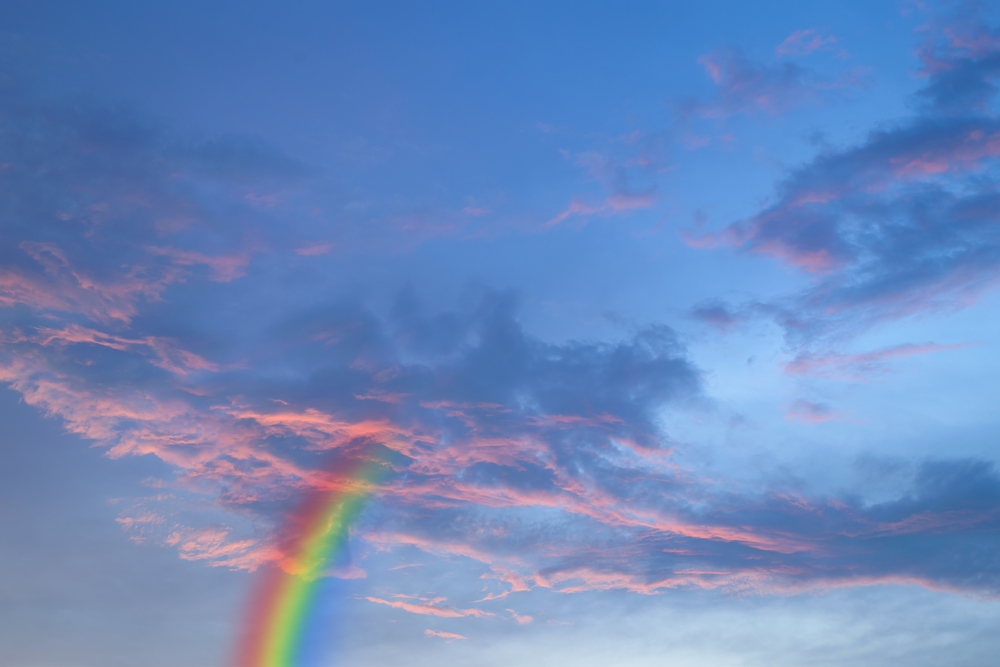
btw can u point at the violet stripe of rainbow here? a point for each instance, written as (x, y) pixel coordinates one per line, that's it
(293, 600)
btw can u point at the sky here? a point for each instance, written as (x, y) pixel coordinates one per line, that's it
(670, 328)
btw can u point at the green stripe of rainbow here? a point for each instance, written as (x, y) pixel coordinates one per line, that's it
(275, 634)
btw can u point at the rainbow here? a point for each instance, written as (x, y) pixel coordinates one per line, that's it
(277, 630)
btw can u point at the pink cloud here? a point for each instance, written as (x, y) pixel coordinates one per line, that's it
(693, 142)
(614, 174)
(323, 430)
(348, 572)
(266, 199)
(974, 40)
(616, 204)
(65, 288)
(773, 88)
(432, 608)
(444, 635)
(812, 226)
(574, 421)
(948, 42)
(396, 398)
(226, 446)
(224, 268)
(474, 211)
(521, 620)
(807, 412)
(810, 260)
(167, 355)
(460, 456)
(314, 249)
(631, 201)
(964, 152)
(212, 544)
(804, 42)
(586, 579)
(932, 523)
(142, 519)
(859, 367)
(223, 446)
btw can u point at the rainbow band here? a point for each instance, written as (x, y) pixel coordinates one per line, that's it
(276, 634)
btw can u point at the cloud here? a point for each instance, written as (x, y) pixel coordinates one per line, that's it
(63, 287)
(314, 249)
(431, 608)
(444, 635)
(717, 314)
(857, 367)
(638, 157)
(224, 268)
(804, 42)
(475, 211)
(521, 619)
(139, 307)
(211, 543)
(903, 222)
(773, 88)
(502, 428)
(616, 204)
(960, 57)
(512, 393)
(807, 412)
(85, 182)
(543, 464)
(165, 353)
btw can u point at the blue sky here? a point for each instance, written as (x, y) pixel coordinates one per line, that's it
(673, 327)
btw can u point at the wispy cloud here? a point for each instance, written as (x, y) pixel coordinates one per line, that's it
(432, 608)
(450, 636)
(804, 42)
(858, 367)
(616, 175)
(743, 85)
(314, 249)
(616, 204)
(808, 412)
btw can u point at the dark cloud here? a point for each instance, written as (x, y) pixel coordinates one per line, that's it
(960, 57)
(905, 222)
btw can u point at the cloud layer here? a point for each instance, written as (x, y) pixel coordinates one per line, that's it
(147, 301)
